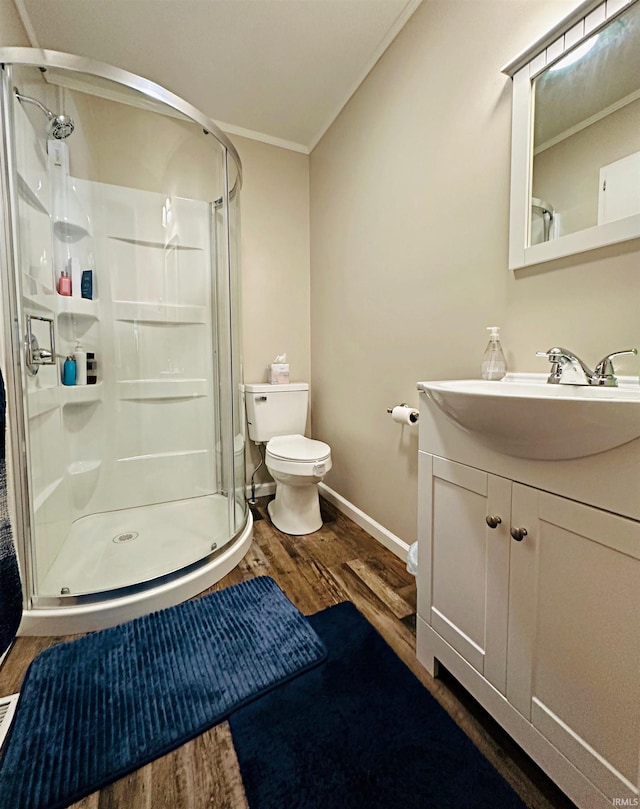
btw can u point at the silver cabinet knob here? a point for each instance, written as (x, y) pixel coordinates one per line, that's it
(493, 522)
(518, 534)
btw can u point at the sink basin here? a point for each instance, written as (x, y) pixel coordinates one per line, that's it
(524, 416)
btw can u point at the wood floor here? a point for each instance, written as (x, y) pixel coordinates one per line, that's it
(338, 563)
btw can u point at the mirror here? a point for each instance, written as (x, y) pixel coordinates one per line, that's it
(575, 181)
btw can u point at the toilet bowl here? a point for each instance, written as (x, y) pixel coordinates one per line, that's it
(297, 464)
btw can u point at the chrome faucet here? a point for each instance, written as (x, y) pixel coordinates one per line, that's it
(568, 369)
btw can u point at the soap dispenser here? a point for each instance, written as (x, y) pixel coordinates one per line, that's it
(494, 364)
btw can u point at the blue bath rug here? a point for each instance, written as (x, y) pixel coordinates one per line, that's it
(97, 708)
(360, 732)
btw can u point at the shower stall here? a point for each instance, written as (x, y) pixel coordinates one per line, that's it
(119, 342)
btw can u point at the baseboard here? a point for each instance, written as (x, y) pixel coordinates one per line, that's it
(396, 545)
(390, 541)
(262, 489)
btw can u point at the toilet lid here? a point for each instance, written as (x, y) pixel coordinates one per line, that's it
(298, 448)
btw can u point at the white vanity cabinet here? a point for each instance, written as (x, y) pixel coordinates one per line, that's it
(543, 629)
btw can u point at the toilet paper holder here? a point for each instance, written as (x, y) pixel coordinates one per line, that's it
(404, 414)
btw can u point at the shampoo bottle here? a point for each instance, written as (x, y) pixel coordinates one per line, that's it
(494, 364)
(80, 356)
(69, 372)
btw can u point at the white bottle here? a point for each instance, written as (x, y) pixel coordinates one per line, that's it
(80, 356)
(494, 364)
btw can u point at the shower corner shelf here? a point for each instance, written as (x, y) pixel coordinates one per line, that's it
(137, 389)
(70, 305)
(41, 498)
(38, 295)
(158, 312)
(33, 188)
(165, 245)
(81, 394)
(68, 231)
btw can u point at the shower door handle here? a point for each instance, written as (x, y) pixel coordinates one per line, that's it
(34, 355)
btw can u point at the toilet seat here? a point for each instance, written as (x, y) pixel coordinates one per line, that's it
(298, 448)
(297, 457)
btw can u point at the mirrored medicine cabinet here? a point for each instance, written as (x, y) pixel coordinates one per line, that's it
(575, 153)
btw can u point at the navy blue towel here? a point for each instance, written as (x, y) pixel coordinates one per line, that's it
(10, 587)
(97, 708)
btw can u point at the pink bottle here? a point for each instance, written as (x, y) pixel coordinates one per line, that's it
(64, 284)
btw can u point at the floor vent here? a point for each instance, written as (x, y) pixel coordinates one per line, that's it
(7, 710)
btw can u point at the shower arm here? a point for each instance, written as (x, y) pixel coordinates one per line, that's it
(60, 126)
(35, 101)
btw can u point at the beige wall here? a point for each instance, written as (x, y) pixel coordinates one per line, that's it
(122, 145)
(275, 258)
(11, 31)
(275, 265)
(409, 229)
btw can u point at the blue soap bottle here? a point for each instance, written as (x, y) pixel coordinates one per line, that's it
(69, 372)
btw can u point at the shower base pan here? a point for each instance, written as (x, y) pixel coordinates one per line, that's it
(118, 565)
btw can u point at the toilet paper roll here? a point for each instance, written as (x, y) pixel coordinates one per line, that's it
(405, 415)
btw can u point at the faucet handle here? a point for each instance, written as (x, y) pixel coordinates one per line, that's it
(555, 356)
(603, 374)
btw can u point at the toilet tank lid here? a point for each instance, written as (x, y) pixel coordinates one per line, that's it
(265, 387)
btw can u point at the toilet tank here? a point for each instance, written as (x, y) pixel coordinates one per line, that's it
(276, 409)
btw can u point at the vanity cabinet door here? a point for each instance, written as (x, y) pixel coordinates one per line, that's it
(463, 563)
(574, 637)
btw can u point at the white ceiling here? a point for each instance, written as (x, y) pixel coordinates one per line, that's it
(281, 69)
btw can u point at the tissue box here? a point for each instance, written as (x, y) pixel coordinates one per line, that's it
(279, 373)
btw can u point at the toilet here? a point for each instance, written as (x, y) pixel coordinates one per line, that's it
(277, 417)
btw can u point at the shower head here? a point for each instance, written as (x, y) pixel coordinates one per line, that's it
(60, 126)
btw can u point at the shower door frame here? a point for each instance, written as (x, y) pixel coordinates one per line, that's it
(11, 344)
(17, 434)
